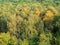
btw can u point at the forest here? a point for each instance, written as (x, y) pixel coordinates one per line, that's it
(29, 22)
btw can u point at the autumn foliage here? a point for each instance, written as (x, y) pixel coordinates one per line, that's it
(29, 23)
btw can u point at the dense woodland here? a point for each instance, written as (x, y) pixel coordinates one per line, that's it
(29, 22)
